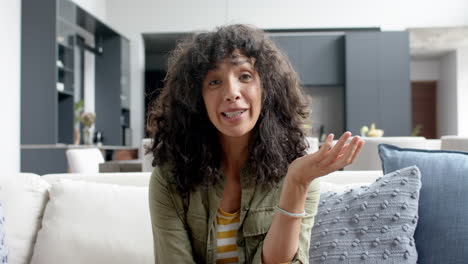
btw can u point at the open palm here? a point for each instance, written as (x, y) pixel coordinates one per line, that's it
(327, 159)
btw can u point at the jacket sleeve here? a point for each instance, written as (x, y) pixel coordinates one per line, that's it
(171, 241)
(311, 205)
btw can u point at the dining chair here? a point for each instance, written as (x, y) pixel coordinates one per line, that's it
(84, 160)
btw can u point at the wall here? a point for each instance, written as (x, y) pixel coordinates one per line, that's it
(185, 15)
(151, 16)
(10, 22)
(462, 91)
(447, 114)
(451, 72)
(398, 14)
(425, 70)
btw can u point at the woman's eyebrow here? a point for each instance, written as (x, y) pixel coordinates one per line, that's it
(241, 60)
(238, 59)
(213, 69)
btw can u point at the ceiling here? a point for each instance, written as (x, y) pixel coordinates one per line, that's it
(425, 43)
(432, 43)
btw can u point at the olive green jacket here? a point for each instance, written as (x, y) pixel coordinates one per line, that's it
(184, 230)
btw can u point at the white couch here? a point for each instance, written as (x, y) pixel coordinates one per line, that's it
(457, 143)
(103, 217)
(94, 218)
(369, 159)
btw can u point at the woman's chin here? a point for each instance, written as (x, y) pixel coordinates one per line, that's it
(236, 133)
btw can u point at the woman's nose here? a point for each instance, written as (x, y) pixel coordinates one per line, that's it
(232, 91)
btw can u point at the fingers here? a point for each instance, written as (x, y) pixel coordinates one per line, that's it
(351, 153)
(343, 150)
(358, 150)
(328, 159)
(340, 144)
(335, 152)
(326, 145)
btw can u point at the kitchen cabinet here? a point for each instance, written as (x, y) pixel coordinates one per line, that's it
(318, 58)
(53, 34)
(378, 82)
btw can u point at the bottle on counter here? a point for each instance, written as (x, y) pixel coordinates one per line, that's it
(98, 138)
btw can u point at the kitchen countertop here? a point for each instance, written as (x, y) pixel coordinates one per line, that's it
(69, 146)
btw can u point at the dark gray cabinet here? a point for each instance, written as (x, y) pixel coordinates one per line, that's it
(44, 161)
(362, 108)
(372, 66)
(394, 59)
(38, 73)
(378, 82)
(318, 58)
(52, 74)
(47, 73)
(109, 89)
(50, 35)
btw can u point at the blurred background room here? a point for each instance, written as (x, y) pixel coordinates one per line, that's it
(79, 75)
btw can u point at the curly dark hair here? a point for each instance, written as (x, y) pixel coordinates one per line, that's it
(179, 124)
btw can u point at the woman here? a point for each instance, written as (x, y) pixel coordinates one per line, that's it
(229, 150)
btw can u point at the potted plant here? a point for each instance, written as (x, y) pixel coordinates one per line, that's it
(87, 119)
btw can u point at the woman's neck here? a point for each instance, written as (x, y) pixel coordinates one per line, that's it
(235, 153)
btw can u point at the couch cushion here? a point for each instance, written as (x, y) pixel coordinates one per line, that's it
(120, 178)
(352, 177)
(368, 159)
(369, 224)
(24, 196)
(87, 222)
(457, 143)
(339, 188)
(441, 235)
(339, 181)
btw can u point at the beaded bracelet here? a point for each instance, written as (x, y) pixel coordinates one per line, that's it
(300, 215)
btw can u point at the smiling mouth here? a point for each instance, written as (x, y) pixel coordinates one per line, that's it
(233, 114)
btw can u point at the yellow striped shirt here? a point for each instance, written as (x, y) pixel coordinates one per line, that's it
(227, 226)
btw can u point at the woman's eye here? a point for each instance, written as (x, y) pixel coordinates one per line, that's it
(214, 82)
(245, 77)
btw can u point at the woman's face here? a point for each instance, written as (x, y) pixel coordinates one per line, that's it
(232, 95)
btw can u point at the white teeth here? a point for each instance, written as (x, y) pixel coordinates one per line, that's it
(233, 114)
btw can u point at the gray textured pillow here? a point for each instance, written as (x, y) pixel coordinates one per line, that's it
(371, 224)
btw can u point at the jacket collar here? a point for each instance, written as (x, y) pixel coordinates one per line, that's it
(216, 193)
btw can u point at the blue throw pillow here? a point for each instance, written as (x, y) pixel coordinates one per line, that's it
(371, 224)
(442, 232)
(3, 250)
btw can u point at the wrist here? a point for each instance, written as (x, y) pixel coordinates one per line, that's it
(293, 215)
(293, 196)
(296, 183)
